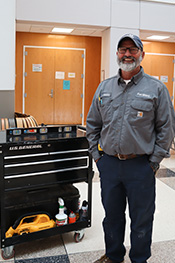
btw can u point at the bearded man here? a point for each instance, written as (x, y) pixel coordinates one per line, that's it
(130, 128)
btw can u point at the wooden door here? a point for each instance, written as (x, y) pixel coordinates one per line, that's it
(68, 86)
(54, 85)
(162, 67)
(39, 84)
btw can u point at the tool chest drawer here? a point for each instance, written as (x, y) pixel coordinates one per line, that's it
(45, 163)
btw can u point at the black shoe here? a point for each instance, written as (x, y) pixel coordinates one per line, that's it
(105, 259)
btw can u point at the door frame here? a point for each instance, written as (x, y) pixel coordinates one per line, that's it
(167, 55)
(64, 48)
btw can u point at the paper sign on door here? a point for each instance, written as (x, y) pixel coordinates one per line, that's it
(164, 79)
(37, 67)
(66, 84)
(59, 75)
(71, 75)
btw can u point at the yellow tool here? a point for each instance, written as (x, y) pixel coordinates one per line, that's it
(30, 223)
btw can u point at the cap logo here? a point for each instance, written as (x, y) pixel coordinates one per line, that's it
(130, 35)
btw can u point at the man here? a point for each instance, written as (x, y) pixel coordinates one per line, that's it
(130, 127)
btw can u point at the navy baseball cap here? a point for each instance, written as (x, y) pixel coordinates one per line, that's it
(134, 38)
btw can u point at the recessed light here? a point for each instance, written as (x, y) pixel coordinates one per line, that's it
(156, 37)
(62, 30)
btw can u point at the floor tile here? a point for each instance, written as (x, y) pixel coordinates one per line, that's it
(52, 259)
(40, 248)
(85, 257)
(170, 181)
(6, 261)
(165, 173)
(169, 162)
(163, 229)
(163, 252)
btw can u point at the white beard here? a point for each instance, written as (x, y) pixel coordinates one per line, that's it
(129, 66)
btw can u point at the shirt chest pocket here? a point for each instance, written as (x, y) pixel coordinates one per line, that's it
(141, 113)
(105, 107)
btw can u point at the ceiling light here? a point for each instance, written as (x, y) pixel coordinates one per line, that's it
(156, 37)
(62, 30)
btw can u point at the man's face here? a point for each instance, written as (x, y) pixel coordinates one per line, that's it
(129, 59)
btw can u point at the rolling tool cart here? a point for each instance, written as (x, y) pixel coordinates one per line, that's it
(37, 167)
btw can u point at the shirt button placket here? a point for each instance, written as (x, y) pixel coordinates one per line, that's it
(121, 114)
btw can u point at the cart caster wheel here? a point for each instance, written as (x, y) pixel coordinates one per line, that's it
(7, 252)
(78, 236)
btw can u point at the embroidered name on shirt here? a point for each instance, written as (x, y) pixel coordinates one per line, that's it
(143, 95)
(105, 95)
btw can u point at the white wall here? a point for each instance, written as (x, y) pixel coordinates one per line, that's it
(125, 13)
(91, 12)
(157, 16)
(105, 61)
(7, 44)
(125, 16)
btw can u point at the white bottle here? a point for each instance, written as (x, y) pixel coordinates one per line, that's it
(61, 218)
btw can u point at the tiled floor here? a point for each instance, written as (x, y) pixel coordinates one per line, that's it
(63, 249)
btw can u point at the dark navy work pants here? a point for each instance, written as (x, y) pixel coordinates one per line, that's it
(131, 181)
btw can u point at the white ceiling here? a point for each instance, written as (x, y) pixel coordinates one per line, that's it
(82, 30)
(145, 33)
(34, 27)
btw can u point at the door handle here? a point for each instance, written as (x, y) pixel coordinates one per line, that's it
(51, 93)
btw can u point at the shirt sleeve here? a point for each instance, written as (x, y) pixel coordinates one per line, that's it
(164, 126)
(93, 127)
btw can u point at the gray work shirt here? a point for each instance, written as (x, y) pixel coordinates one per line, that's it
(137, 118)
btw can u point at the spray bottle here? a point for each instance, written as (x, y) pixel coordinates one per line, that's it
(84, 211)
(61, 218)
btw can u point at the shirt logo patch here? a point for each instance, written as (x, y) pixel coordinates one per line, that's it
(140, 114)
(143, 95)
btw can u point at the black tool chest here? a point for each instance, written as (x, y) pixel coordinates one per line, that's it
(37, 166)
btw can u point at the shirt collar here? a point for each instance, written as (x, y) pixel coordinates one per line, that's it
(135, 79)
